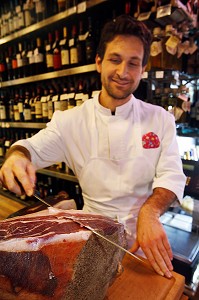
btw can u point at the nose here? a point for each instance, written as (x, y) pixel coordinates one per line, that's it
(122, 69)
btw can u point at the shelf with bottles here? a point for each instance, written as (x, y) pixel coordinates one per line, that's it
(49, 75)
(45, 17)
(65, 47)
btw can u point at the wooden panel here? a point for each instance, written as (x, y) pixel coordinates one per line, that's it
(138, 282)
(8, 206)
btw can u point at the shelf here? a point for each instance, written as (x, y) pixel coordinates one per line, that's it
(49, 75)
(30, 125)
(49, 21)
(54, 173)
(57, 174)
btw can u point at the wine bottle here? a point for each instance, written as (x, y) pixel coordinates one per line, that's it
(90, 44)
(31, 58)
(73, 47)
(27, 107)
(8, 59)
(40, 65)
(56, 52)
(21, 105)
(65, 59)
(3, 107)
(64, 98)
(49, 53)
(38, 105)
(40, 9)
(19, 61)
(156, 49)
(25, 60)
(16, 107)
(11, 106)
(50, 103)
(56, 100)
(81, 45)
(14, 63)
(44, 105)
(61, 5)
(3, 74)
(20, 13)
(32, 105)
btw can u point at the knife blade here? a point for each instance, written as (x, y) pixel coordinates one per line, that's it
(40, 199)
(118, 246)
(97, 233)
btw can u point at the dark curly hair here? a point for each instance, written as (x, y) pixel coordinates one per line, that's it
(125, 25)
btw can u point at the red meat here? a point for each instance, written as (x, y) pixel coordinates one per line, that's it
(50, 255)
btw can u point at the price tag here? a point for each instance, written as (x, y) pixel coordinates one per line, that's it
(163, 11)
(81, 7)
(159, 74)
(144, 16)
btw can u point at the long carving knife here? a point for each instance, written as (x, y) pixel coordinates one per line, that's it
(98, 234)
(118, 246)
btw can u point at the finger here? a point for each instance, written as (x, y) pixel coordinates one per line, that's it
(10, 183)
(168, 247)
(135, 246)
(152, 261)
(161, 257)
(24, 182)
(32, 175)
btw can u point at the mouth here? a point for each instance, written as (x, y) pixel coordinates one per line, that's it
(121, 82)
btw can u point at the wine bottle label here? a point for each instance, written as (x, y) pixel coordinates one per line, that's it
(45, 110)
(2, 68)
(65, 57)
(16, 113)
(27, 17)
(21, 19)
(50, 109)
(39, 58)
(63, 105)
(38, 109)
(57, 105)
(14, 64)
(20, 107)
(73, 56)
(2, 112)
(156, 48)
(27, 114)
(39, 7)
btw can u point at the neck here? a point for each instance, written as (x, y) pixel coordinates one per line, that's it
(111, 103)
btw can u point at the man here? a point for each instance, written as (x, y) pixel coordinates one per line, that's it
(122, 150)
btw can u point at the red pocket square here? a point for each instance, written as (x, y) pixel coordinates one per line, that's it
(150, 140)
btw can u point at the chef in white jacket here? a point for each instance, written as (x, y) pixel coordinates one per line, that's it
(122, 150)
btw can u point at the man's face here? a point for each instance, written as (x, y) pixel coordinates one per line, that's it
(121, 68)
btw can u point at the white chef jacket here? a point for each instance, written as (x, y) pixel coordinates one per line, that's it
(113, 156)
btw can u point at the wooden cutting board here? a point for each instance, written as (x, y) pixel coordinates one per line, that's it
(8, 207)
(138, 282)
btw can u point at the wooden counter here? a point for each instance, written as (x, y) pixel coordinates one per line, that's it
(138, 282)
(8, 207)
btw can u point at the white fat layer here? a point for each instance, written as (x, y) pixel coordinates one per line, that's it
(36, 243)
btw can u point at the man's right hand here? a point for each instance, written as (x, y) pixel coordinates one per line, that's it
(17, 173)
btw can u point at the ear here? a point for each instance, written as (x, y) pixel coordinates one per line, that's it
(143, 69)
(98, 63)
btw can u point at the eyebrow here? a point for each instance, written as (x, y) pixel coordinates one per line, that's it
(118, 55)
